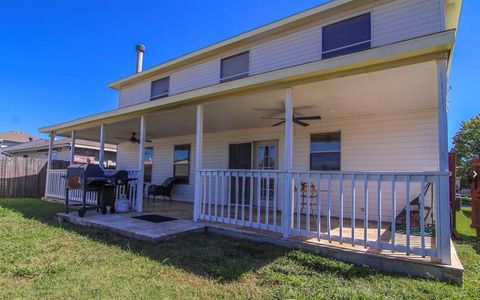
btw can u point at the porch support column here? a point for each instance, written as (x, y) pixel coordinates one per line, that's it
(141, 157)
(443, 207)
(101, 156)
(72, 148)
(50, 150)
(198, 163)
(288, 140)
(49, 161)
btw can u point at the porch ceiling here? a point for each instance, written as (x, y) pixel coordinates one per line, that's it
(387, 91)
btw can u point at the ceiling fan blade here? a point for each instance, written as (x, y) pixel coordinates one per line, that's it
(266, 118)
(300, 123)
(276, 124)
(308, 118)
(148, 141)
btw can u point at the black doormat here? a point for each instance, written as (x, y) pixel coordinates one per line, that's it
(154, 218)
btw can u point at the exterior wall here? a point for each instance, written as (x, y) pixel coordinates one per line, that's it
(392, 21)
(408, 143)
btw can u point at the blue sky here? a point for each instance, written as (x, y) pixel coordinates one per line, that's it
(57, 57)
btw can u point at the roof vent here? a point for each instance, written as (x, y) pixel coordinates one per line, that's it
(140, 50)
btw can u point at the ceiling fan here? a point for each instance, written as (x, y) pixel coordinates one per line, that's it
(296, 120)
(133, 139)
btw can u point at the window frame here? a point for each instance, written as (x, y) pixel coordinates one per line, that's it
(236, 76)
(369, 13)
(148, 162)
(152, 97)
(326, 151)
(182, 179)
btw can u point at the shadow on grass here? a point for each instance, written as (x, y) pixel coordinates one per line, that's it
(217, 257)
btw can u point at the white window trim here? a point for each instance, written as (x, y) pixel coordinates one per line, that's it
(348, 46)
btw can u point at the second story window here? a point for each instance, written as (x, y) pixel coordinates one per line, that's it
(234, 67)
(159, 88)
(347, 36)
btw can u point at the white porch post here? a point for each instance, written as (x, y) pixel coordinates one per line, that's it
(49, 161)
(50, 151)
(141, 157)
(72, 148)
(288, 154)
(198, 163)
(443, 209)
(101, 156)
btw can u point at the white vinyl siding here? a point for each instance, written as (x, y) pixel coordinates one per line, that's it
(392, 22)
(194, 77)
(405, 19)
(408, 143)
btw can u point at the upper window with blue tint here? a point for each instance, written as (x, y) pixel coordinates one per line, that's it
(347, 36)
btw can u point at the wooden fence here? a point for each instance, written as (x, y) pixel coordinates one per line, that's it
(24, 177)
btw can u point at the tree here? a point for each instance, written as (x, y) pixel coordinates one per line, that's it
(466, 143)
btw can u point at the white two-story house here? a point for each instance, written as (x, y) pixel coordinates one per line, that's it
(323, 125)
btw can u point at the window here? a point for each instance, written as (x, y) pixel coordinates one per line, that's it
(325, 151)
(148, 164)
(181, 163)
(159, 88)
(234, 67)
(347, 36)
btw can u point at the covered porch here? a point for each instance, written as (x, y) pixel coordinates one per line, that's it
(384, 128)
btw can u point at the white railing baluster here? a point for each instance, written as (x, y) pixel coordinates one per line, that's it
(319, 207)
(250, 217)
(203, 196)
(308, 183)
(365, 211)
(379, 212)
(229, 197)
(298, 184)
(243, 198)
(275, 180)
(209, 196)
(341, 209)
(236, 197)
(408, 214)
(222, 213)
(267, 199)
(422, 215)
(216, 196)
(259, 198)
(329, 207)
(352, 221)
(394, 210)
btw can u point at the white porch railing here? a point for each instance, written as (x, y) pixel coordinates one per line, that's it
(56, 180)
(366, 209)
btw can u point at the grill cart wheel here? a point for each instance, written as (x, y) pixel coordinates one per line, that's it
(81, 212)
(104, 210)
(112, 210)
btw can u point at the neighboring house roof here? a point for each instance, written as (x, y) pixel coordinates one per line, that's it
(17, 136)
(276, 27)
(43, 144)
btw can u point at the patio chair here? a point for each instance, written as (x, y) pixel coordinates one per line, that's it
(165, 189)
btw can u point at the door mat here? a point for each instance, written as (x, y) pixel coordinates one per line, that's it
(154, 218)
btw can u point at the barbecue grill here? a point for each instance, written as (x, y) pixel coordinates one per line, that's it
(91, 178)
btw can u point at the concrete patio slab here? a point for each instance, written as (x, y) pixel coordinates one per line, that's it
(125, 225)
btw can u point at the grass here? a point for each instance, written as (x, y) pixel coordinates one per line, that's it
(40, 258)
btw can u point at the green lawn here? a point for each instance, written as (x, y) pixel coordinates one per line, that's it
(41, 259)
